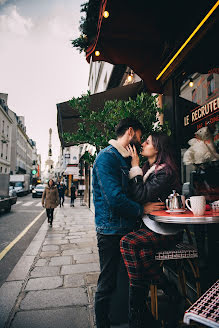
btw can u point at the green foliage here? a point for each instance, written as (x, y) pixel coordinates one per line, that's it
(98, 127)
(88, 25)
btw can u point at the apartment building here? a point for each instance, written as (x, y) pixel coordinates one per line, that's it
(5, 135)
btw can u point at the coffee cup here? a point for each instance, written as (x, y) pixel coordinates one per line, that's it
(198, 204)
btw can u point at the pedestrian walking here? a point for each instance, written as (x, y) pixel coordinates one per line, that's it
(50, 199)
(115, 213)
(73, 195)
(152, 184)
(61, 191)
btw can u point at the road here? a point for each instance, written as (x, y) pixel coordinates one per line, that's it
(12, 224)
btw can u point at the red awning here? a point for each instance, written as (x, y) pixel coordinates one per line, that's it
(144, 34)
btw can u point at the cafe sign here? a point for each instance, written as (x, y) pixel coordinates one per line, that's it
(203, 115)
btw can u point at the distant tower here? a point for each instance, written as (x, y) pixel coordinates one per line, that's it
(49, 164)
(50, 143)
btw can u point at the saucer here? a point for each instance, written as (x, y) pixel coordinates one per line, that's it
(178, 210)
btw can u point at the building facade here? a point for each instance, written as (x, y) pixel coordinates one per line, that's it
(5, 135)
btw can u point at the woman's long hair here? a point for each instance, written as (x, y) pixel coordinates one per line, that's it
(53, 183)
(165, 155)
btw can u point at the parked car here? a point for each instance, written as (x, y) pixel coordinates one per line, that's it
(38, 191)
(12, 192)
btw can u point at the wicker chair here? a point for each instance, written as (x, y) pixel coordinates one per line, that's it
(180, 253)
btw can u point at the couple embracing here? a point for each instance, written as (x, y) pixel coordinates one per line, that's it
(124, 193)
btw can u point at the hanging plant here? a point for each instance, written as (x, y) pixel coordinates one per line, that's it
(88, 25)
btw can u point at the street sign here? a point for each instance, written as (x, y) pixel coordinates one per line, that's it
(34, 171)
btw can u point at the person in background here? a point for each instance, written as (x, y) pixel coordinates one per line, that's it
(50, 200)
(154, 182)
(73, 195)
(61, 191)
(115, 213)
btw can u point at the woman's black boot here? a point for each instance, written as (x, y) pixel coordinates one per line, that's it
(176, 300)
(139, 314)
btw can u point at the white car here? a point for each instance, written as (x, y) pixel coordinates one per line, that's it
(38, 191)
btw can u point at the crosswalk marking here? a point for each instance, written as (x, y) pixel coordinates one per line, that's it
(18, 202)
(39, 204)
(28, 203)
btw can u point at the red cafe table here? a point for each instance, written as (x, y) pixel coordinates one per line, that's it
(186, 217)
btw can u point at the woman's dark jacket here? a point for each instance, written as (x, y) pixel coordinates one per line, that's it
(158, 186)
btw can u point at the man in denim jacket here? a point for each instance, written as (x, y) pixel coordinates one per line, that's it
(115, 213)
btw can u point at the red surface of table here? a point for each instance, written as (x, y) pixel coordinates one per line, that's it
(186, 217)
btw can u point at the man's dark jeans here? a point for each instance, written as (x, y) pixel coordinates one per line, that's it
(109, 253)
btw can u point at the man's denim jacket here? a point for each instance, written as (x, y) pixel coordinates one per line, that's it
(115, 213)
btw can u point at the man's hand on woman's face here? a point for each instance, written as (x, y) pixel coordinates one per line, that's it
(133, 153)
(150, 207)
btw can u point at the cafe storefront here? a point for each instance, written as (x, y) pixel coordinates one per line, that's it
(173, 50)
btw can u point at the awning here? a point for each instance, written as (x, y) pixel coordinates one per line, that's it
(73, 170)
(145, 35)
(68, 117)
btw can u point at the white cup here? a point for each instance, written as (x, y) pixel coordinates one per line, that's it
(198, 204)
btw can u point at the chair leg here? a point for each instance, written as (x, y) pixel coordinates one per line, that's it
(154, 302)
(195, 270)
(181, 277)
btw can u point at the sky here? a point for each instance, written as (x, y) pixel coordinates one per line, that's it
(38, 65)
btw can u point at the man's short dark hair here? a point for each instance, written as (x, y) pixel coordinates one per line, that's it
(126, 123)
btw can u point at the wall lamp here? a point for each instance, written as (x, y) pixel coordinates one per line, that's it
(191, 82)
(130, 76)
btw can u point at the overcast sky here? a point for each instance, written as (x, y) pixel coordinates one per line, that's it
(38, 66)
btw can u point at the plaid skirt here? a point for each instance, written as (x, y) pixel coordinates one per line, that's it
(138, 250)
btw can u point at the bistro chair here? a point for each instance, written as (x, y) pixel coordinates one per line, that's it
(205, 310)
(181, 253)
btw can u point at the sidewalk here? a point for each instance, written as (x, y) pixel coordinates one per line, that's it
(53, 283)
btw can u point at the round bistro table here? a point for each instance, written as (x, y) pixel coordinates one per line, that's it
(186, 217)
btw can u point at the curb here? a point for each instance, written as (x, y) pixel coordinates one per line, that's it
(17, 279)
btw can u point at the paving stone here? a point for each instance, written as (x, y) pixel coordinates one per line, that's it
(8, 294)
(45, 271)
(91, 293)
(22, 268)
(33, 249)
(41, 262)
(57, 230)
(55, 236)
(81, 233)
(44, 283)
(77, 251)
(75, 280)
(55, 242)
(75, 317)
(79, 268)
(68, 246)
(49, 254)
(50, 248)
(86, 258)
(91, 278)
(61, 260)
(85, 244)
(54, 298)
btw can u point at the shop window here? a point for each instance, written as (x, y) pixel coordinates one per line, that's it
(210, 84)
(1, 169)
(6, 170)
